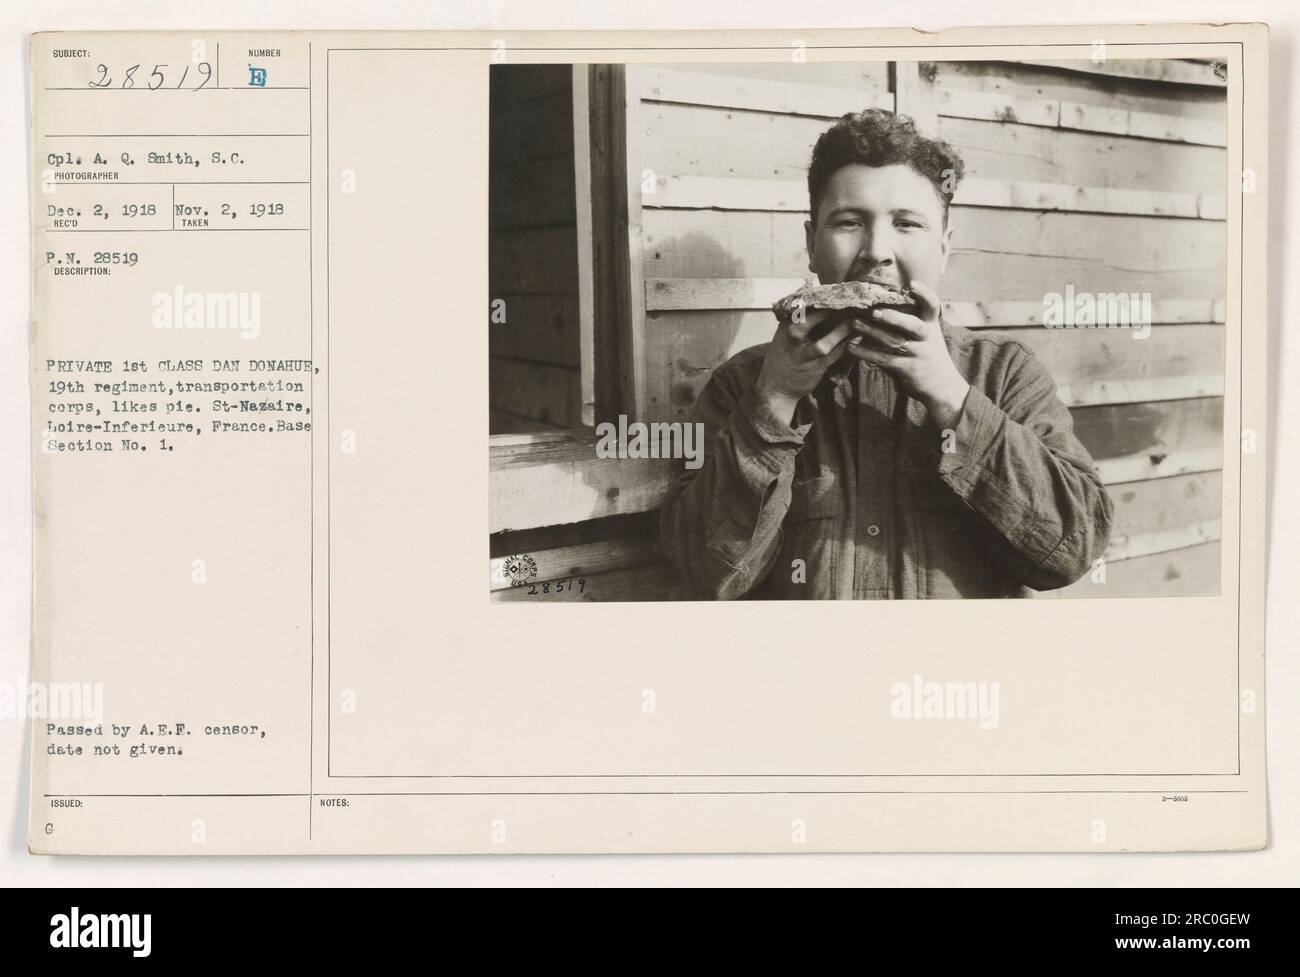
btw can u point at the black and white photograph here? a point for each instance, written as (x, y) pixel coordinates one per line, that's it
(966, 329)
(857, 330)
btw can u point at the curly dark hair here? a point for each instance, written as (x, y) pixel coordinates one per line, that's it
(876, 137)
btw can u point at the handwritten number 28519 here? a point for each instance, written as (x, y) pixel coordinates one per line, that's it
(557, 586)
(157, 78)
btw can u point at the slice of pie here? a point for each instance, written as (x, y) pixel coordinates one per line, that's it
(859, 296)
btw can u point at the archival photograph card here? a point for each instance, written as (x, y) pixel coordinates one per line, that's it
(864, 433)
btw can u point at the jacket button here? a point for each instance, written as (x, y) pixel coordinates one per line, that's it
(873, 530)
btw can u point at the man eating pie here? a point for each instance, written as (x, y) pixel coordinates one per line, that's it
(872, 450)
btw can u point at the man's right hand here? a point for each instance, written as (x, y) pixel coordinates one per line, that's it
(796, 362)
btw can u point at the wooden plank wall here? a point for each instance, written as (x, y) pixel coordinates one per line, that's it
(1083, 175)
(533, 256)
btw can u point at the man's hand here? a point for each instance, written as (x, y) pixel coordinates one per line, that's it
(911, 349)
(796, 362)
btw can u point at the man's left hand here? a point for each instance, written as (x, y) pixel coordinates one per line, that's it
(911, 349)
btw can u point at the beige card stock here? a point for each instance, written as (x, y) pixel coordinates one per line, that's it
(279, 432)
